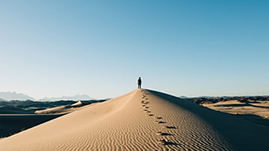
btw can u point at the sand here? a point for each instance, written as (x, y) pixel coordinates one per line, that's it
(256, 112)
(258, 108)
(14, 120)
(142, 120)
(64, 109)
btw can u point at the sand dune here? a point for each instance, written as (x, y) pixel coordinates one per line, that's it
(64, 109)
(54, 110)
(77, 104)
(235, 107)
(142, 120)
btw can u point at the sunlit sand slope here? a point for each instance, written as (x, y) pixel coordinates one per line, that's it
(141, 120)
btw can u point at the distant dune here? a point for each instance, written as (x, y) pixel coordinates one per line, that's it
(142, 120)
(251, 108)
(16, 116)
(256, 112)
(62, 109)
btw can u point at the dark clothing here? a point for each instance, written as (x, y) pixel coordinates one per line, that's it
(139, 82)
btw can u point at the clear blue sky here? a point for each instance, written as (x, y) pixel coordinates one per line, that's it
(100, 48)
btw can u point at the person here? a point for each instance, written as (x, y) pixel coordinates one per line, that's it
(139, 83)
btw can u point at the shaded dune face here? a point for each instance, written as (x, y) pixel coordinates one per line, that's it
(139, 120)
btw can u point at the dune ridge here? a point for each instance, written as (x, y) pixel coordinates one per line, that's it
(141, 120)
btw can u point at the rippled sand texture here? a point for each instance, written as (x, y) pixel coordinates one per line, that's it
(141, 120)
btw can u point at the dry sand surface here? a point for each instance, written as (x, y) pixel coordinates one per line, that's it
(16, 119)
(142, 120)
(259, 108)
(64, 109)
(256, 112)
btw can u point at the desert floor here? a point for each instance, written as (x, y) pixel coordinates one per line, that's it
(142, 120)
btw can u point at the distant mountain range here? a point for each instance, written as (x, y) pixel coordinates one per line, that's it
(75, 98)
(8, 96)
(14, 96)
(2, 99)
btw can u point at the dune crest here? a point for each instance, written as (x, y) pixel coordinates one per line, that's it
(141, 120)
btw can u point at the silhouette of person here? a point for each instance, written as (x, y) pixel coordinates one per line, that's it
(139, 83)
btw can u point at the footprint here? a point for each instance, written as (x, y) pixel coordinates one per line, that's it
(146, 107)
(170, 127)
(147, 111)
(166, 142)
(162, 142)
(163, 134)
(150, 114)
(159, 117)
(160, 122)
(159, 133)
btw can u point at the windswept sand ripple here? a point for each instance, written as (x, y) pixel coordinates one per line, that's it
(140, 120)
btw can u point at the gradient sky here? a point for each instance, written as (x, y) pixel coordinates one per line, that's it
(100, 48)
